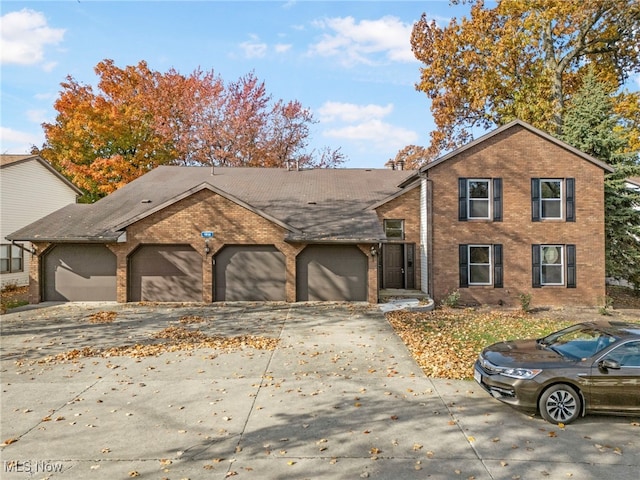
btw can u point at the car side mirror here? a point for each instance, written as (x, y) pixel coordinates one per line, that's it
(609, 363)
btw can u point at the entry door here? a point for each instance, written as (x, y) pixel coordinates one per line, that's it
(393, 267)
(397, 265)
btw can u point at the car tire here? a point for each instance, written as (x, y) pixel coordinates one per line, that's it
(560, 404)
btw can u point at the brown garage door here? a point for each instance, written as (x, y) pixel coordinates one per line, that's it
(331, 273)
(250, 273)
(165, 273)
(79, 272)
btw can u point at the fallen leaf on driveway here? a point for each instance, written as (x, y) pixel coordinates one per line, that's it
(102, 317)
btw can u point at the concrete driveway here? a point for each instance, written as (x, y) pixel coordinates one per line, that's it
(339, 398)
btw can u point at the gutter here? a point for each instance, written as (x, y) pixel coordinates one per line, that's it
(32, 250)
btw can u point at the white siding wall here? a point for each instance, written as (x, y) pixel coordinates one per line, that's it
(424, 237)
(28, 192)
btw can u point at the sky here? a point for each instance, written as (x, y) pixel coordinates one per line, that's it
(350, 63)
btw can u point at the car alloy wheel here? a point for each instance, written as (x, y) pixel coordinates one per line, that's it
(560, 404)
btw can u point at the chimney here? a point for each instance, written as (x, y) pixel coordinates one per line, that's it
(400, 164)
(390, 165)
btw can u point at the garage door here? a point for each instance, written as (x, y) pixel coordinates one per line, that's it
(331, 273)
(165, 273)
(250, 273)
(79, 272)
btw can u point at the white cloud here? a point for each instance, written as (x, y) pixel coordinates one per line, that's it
(350, 112)
(363, 124)
(17, 142)
(282, 47)
(254, 48)
(381, 134)
(364, 41)
(24, 36)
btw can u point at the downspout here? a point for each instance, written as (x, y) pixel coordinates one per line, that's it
(426, 234)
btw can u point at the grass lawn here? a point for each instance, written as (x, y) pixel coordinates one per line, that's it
(446, 342)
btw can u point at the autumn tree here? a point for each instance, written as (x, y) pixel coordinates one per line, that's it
(410, 157)
(522, 59)
(592, 126)
(138, 118)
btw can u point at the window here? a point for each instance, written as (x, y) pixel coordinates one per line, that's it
(480, 199)
(627, 354)
(394, 229)
(552, 199)
(480, 265)
(554, 265)
(11, 259)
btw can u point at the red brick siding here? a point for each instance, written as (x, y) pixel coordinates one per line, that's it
(516, 156)
(406, 207)
(231, 223)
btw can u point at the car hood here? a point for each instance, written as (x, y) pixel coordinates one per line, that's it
(523, 353)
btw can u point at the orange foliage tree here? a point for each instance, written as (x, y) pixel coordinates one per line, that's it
(139, 118)
(522, 59)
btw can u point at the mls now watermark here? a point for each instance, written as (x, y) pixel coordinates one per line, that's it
(32, 467)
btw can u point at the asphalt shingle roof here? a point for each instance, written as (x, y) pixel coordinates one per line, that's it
(313, 205)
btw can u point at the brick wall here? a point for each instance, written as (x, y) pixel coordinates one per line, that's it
(406, 207)
(516, 156)
(183, 222)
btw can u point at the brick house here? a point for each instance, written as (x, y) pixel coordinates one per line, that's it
(513, 212)
(516, 212)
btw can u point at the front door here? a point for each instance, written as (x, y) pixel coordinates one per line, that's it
(393, 266)
(397, 265)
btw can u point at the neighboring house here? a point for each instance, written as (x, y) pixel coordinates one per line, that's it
(514, 212)
(30, 189)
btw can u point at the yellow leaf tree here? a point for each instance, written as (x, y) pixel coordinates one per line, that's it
(522, 59)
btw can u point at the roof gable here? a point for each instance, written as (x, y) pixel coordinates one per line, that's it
(526, 126)
(7, 161)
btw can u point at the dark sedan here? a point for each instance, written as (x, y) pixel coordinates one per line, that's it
(591, 367)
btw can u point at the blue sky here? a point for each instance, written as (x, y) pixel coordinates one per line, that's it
(349, 62)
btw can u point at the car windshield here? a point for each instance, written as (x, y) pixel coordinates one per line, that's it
(577, 342)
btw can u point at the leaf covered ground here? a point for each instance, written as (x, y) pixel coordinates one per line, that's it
(446, 342)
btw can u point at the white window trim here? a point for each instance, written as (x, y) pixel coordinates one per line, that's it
(559, 200)
(490, 265)
(401, 229)
(562, 265)
(469, 200)
(11, 248)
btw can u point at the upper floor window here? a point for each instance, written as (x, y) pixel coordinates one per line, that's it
(11, 259)
(480, 199)
(553, 199)
(394, 229)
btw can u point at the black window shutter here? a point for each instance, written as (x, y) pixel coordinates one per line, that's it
(570, 187)
(497, 199)
(462, 199)
(464, 266)
(571, 266)
(497, 266)
(535, 266)
(535, 199)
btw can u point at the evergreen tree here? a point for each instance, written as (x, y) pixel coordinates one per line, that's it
(591, 125)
